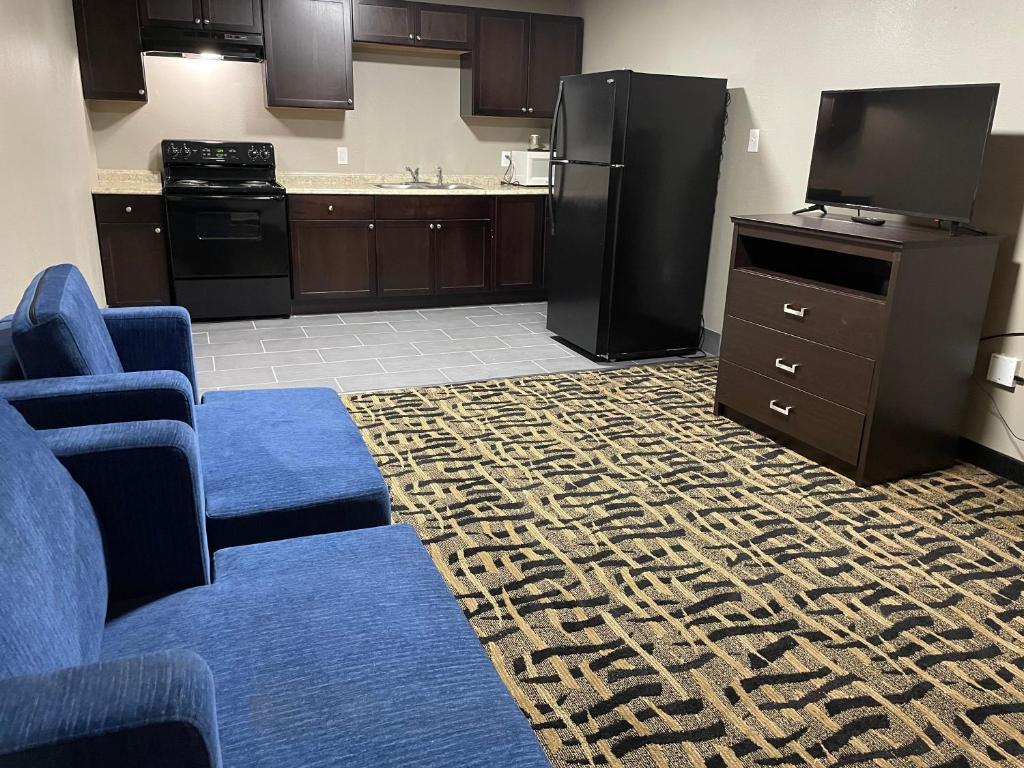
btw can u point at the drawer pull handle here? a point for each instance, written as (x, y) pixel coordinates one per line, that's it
(787, 368)
(330, 209)
(774, 405)
(789, 309)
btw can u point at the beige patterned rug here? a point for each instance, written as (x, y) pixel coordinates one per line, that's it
(661, 587)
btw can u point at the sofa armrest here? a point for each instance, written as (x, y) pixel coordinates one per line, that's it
(74, 401)
(155, 710)
(144, 482)
(153, 339)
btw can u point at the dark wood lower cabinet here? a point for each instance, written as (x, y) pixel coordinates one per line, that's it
(135, 265)
(519, 243)
(333, 259)
(462, 252)
(404, 260)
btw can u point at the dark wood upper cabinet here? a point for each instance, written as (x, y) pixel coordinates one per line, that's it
(244, 16)
(556, 49)
(333, 259)
(384, 21)
(405, 265)
(171, 13)
(519, 243)
(110, 50)
(444, 26)
(308, 53)
(462, 254)
(516, 63)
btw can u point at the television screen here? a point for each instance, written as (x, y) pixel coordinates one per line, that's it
(915, 151)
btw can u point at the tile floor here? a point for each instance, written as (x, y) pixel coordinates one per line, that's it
(362, 351)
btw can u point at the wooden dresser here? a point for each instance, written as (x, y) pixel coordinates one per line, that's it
(857, 342)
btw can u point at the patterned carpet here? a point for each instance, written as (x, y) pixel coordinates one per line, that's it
(660, 587)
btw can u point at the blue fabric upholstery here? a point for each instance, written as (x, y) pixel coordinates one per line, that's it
(340, 650)
(58, 329)
(53, 590)
(153, 339)
(10, 368)
(280, 463)
(155, 710)
(152, 518)
(75, 401)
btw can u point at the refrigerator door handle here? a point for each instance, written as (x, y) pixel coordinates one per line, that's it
(551, 190)
(554, 122)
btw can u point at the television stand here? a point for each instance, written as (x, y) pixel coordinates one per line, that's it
(809, 208)
(867, 220)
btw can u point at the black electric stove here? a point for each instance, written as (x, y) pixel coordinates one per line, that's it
(228, 229)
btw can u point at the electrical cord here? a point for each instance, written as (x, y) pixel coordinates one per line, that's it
(1000, 336)
(999, 415)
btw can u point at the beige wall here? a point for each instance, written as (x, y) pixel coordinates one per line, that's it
(407, 113)
(45, 151)
(779, 54)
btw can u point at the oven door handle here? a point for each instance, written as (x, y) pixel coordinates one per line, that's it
(232, 198)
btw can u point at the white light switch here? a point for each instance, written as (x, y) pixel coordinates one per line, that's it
(342, 155)
(506, 158)
(754, 140)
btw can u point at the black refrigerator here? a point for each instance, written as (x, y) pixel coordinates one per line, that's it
(632, 186)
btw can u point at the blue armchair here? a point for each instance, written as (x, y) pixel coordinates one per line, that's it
(345, 649)
(275, 463)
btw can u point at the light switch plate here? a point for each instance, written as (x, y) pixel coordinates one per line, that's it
(1002, 369)
(342, 155)
(506, 158)
(754, 140)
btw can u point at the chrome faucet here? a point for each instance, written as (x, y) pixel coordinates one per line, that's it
(415, 173)
(440, 176)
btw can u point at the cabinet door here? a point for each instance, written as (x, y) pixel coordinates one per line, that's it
(333, 259)
(135, 264)
(309, 53)
(233, 16)
(500, 63)
(404, 260)
(519, 242)
(385, 21)
(462, 253)
(171, 13)
(441, 26)
(110, 49)
(556, 49)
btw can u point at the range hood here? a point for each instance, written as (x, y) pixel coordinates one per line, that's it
(167, 41)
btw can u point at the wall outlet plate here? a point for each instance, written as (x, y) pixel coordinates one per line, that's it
(755, 140)
(342, 155)
(1002, 369)
(506, 158)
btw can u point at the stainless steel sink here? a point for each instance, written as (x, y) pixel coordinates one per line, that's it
(405, 185)
(450, 186)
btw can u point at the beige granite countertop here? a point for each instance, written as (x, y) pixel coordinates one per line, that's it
(127, 182)
(116, 182)
(363, 184)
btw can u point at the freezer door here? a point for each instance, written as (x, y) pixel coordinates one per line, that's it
(579, 253)
(583, 130)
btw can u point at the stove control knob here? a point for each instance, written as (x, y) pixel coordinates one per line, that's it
(186, 151)
(174, 150)
(253, 153)
(265, 153)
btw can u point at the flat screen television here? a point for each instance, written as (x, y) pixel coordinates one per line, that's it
(914, 151)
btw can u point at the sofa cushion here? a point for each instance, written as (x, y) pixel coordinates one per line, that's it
(58, 329)
(10, 368)
(281, 463)
(53, 595)
(345, 649)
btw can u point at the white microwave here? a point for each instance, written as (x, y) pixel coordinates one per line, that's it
(530, 169)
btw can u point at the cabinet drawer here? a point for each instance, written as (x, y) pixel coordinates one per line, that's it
(823, 371)
(117, 209)
(433, 207)
(824, 425)
(330, 207)
(840, 320)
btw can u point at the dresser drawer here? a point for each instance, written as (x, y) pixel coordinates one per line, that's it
(118, 209)
(840, 320)
(823, 371)
(328, 207)
(819, 423)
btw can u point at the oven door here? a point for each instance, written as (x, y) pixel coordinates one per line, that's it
(227, 236)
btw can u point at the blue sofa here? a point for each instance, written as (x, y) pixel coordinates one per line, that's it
(336, 650)
(275, 463)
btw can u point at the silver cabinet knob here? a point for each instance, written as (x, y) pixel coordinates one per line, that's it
(524, 109)
(431, 226)
(127, 209)
(418, 38)
(530, 109)
(158, 230)
(370, 226)
(412, 36)
(438, 226)
(350, 101)
(206, 21)
(142, 91)
(330, 209)
(199, 21)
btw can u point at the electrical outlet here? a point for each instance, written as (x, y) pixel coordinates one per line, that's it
(1002, 369)
(342, 155)
(754, 140)
(506, 158)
